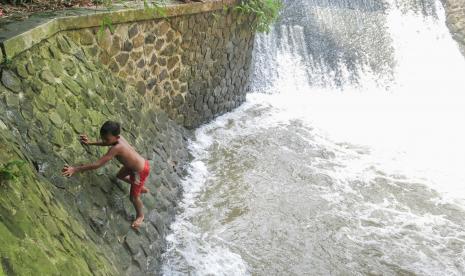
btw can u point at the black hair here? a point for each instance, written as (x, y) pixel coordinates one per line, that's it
(110, 127)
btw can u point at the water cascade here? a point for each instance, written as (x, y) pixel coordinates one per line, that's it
(347, 158)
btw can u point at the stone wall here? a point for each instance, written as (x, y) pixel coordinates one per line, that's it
(193, 67)
(455, 20)
(37, 234)
(152, 76)
(49, 95)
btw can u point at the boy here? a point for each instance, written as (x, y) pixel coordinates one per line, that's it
(135, 168)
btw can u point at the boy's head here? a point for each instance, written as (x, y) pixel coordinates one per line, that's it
(109, 132)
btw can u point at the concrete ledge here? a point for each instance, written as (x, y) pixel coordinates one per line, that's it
(17, 37)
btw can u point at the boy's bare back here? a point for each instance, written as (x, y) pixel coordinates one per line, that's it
(127, 155)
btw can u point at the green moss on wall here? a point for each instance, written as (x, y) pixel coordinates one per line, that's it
(37, 235)
(51, 225)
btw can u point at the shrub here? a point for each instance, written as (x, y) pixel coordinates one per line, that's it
(266, 12)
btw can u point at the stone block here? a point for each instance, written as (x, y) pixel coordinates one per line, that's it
(138, 41)
(163, 28)
(133, 31)
(63, 45)
(11, 81)
(86, 37)
(122, 59)
(133, 242)
(47, 77)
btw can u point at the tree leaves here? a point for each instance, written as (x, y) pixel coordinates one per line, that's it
(266, 12)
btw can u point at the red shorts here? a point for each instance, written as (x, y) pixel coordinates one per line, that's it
(138, 179)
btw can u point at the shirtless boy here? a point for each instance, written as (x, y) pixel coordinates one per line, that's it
(135, 168)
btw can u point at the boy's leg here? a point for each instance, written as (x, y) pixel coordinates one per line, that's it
(139, 213)
(124, 174)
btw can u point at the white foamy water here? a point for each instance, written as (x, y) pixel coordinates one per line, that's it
(346, 162)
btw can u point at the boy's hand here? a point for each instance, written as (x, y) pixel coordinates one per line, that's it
(83, 139)
(68, 171)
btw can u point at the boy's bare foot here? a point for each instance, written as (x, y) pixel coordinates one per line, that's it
(138, 222)
(144, 190)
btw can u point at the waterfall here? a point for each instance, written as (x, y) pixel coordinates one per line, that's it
(347, 157)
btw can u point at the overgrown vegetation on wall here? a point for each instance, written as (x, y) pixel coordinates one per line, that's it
(266, 12)
(155, 7)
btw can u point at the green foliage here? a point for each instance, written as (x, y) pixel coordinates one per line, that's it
(266, 12)
(154, 7)
(106, 23)
(11, 170)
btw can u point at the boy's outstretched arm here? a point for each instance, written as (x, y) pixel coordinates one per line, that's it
(85, 140)
(68, 171)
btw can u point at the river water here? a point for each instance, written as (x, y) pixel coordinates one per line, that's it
(347, 158)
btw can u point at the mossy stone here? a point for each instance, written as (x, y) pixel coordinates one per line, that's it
(86, 37)
(72, 86)
(26, 110)
(70, 67)
(56, 68)
(81, 56)
(56, 137)
(48, 96)
(21, 70)
(12, 100)
(63, 45)
(95, 117)
(68, 136)
(47, 77)
(44, 121)
(72, 101)
(44, 53)
(30, 68)
(63, 110)
(50, 224)
(11, 81)
(39, 104)
(56, 119)
(55, 52)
